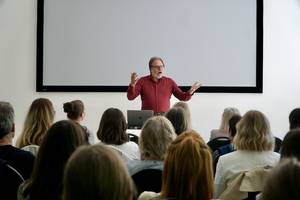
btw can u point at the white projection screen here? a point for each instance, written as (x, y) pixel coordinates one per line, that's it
(94, 45)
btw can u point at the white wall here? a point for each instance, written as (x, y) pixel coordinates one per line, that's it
(281, 65)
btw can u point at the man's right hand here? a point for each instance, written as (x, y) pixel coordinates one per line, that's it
(134, 79)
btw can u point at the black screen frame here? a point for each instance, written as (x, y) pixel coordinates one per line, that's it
(41, 87)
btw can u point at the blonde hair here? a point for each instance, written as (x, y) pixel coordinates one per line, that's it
(188, 172)
(226, 116)
(96, 172)
(156, 136)
(38, 120)
(253, 133)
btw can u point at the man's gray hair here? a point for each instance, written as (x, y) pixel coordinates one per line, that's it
(6, 118)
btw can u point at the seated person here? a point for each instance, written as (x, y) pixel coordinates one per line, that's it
(229, 147)
(179, 119)
(283, 182)
(112, 132)
(294, 118)
(156, 136)
(60, 141)
(254, 144)
(223, 131)
(187, 170)
(19, 159)
(38, 120)
(105, 176)
(75, 112)
(290, 145)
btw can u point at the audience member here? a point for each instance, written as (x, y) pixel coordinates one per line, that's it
(60, 142)
(38, 120)
(187, 170)
(290, 145)
(112, 132)
(156, 136)
(229, 147)
(185, 107)
(75, 112)
(19, 159)
(223, 131)
(294, 118)
(105, 176)
(283, 182)
(254, 143)
(179, 119)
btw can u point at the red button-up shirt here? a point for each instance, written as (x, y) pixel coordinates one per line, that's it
(156, 95)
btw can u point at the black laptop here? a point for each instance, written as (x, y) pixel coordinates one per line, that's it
(136, 118)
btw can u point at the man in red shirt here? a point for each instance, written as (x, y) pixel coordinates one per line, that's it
(156, 89)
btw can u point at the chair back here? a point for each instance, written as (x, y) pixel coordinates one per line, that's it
(218, 142)
(148, 180)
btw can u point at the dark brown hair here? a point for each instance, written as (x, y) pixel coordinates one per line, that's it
(60, 142)
(290, 144)
(74, 109)
(112, 127)
(283, 182)
(294, 118)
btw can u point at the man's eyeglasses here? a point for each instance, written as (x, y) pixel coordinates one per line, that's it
(157, 66)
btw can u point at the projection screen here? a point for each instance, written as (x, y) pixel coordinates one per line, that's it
(94, 45)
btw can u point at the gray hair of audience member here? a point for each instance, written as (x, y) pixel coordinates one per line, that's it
(290, 144)
(96, 172)
(294, 118)
(253, 133)
(6, 118)
(179, 119)
(156, 136)
(283, 182)
(185, 107)
(227, 114)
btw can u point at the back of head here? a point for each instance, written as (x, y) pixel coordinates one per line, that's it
(60, 142)
(294, 118)
(184, 106)
(283, 182)
(227, 114)
(253, 132)
(179, 119)
(38, 120)
(96, 172)
(188, 172)
(232, 124)
(6, 118)
(74, 109)
(156, 136)
(290, 145)
(112, 127)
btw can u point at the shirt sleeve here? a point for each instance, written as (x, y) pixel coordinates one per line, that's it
(178, 93)
(133, 92)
